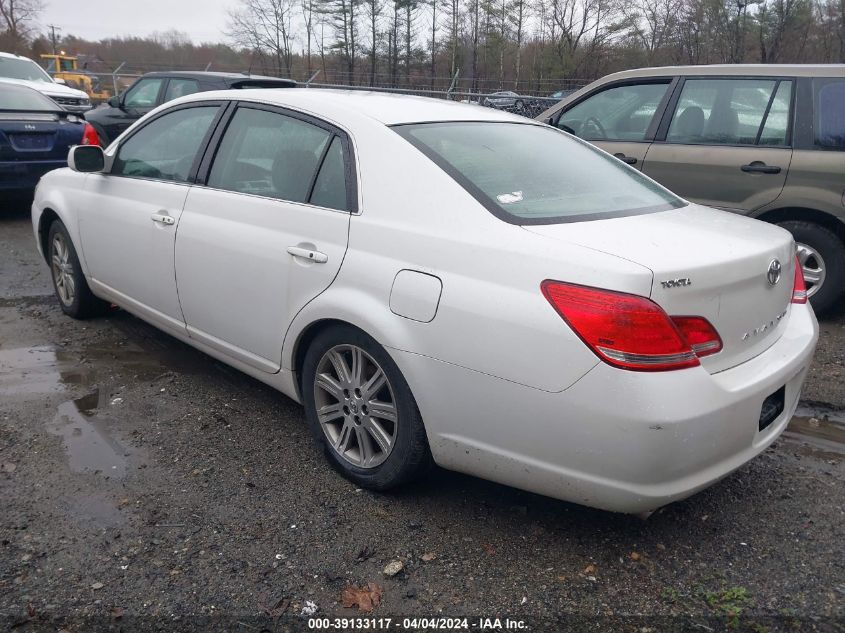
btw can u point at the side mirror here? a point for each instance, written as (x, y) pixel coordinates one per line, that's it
(114, 101)
(86, 159)
(59, 80)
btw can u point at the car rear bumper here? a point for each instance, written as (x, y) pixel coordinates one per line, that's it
(617, 440)
(24, 175)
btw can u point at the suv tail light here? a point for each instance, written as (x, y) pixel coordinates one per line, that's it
(89, 135)
(629, 331)
(799, 288)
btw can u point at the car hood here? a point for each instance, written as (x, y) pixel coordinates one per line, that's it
(50, 89)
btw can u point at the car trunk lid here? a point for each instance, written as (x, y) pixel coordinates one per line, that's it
(705, 263)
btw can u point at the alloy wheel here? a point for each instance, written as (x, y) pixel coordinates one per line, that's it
(356, 407)
(62, 270)
(813, 267)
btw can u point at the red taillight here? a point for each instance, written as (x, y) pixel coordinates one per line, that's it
(700, 334)
(799, 288)
(629, 331)
(89, 135)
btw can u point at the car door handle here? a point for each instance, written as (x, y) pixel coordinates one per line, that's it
(628, 160)
(759, 167)
(311, 256)
(162, 218)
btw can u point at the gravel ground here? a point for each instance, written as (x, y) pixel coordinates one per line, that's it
(146, 486)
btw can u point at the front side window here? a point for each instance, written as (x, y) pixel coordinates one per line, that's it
(179, 88)
(165, 149)
(143, 94)
(731, 112)
(830, 113)
(621, 113)
(531, 174)
(269, 154)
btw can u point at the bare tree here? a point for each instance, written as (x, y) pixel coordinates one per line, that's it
(266, 26)
(17, 17)
(373, 9)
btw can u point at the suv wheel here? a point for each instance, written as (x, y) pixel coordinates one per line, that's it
(822, 257)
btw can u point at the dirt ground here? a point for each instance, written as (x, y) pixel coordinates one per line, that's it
(146, 486)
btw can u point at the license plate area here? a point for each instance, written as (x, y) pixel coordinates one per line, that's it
(772, 407)
(31, 142)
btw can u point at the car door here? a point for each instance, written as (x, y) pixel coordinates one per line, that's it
(725, 142)
(620, 118)
(266, 234)
(128, 223)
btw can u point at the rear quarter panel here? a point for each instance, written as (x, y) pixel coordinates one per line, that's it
(62, 192)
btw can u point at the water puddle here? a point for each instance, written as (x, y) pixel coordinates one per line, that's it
(86, 439)
(39, 370)
(822, 429)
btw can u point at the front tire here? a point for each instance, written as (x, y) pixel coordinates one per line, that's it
(75, 297)
(361, 411)
(822, 256)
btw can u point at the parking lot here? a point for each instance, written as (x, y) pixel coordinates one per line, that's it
(145, 484)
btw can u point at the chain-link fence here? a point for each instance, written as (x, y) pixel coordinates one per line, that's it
(104, 85)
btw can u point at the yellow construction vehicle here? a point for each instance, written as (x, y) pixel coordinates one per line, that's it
(62, 66)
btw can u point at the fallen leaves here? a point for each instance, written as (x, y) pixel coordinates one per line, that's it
(9, 467)
(428, 557)
(491, 551)
(590, 569)
(97, 585)
(365, 598)
(634, 556)
(275, 609)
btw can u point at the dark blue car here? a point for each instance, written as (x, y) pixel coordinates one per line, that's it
(35, 136)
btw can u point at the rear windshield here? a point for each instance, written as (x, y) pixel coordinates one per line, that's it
(533, 174)
(23, 69)
(23, 99)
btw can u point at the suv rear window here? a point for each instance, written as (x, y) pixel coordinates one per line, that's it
(533, 174)
(830, 113)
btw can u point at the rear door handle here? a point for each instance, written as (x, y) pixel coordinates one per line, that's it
(759, 167)
(311, 256)
(162, 218)
(628, 160)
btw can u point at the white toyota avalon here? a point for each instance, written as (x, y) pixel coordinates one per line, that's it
(444, 283)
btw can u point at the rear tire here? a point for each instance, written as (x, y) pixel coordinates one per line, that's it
(355, 404)
(826, 253)
(75, 297)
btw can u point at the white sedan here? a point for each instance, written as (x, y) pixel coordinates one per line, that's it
(444, 283)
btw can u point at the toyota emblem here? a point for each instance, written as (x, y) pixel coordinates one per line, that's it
(773, 274)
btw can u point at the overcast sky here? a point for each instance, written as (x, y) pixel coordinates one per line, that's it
(202, 20)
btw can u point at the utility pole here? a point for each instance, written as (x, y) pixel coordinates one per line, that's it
(53, 39)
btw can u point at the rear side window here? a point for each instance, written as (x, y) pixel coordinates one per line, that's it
(732, 112)
(269, 154)
(621, 113)
(830, 113)
(532, 174)
(180, 87)
(165, 149)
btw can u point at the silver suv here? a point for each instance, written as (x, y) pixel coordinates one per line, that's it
(762, 140)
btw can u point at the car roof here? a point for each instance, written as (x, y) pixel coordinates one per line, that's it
(389, 109)
(219, 76)
(759, 70)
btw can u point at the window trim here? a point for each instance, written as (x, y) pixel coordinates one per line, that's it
(670, 80)
(669, 114)
(484, 200)
(215, 122)
(350, 172)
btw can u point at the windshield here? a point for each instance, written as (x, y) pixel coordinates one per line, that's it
(23, 69)
(534, 174)
(23, 99)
